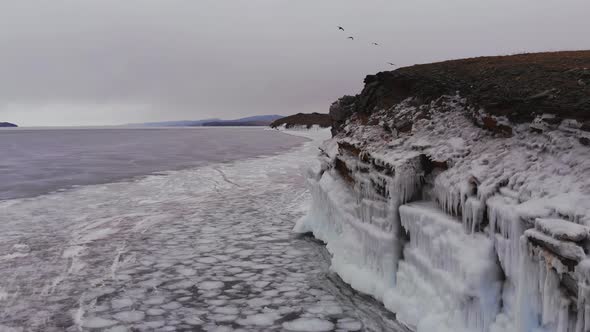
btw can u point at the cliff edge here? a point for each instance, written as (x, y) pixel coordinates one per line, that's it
(518, 87)
(458, 193)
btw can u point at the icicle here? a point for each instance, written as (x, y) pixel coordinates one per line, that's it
(583, 275)
(360, 228)
(461, 269)
(528, 300)
(502, 217)
(473, 213)
(447, 196)
(563, 316)
(408, 180)
(580, 315)
(551, 296)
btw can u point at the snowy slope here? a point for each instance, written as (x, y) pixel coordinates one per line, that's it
(458, 222)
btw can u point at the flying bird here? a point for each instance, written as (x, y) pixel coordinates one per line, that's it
(375, 44)
(340, 28)
(393, 64)
(352, 38)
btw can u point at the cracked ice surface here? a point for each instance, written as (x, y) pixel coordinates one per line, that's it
(207, 249)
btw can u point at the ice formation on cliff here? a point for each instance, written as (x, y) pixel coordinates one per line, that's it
(456, 227)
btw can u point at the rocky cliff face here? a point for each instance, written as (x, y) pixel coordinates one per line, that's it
(517, 87)
(459, 193)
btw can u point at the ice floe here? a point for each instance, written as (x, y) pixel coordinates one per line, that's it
(308, 325)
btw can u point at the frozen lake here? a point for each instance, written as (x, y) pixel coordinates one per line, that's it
(37, 161)
(205, 248)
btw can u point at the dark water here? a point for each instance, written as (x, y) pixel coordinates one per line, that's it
(38, 161)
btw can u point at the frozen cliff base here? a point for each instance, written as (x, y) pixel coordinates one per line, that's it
(455, 227)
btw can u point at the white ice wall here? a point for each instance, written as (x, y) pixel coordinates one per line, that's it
(364, 254)
(474, 256)
(446, 275)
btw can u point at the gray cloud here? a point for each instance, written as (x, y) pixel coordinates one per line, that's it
(111, 61)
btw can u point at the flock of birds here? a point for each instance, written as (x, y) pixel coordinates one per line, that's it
(374, 43)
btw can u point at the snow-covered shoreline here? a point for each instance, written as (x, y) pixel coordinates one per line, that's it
(456, 228)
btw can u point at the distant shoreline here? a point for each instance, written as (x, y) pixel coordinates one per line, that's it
(81, 157)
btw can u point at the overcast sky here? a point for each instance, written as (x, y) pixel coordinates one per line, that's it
(97, 62)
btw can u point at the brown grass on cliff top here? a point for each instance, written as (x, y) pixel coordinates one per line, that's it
(549, 60)
(518, 86)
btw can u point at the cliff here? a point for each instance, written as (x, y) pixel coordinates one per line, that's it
(7, 124)
(518, 87)
(458, 193)
(304, 120)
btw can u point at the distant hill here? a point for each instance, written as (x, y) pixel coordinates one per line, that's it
(269, 118)
(7, 124)
(257, 120)
(180, 123)
(304, 120)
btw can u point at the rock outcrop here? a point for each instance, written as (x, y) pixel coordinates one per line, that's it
(303, 120)
(458, 193)
(7, 124)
